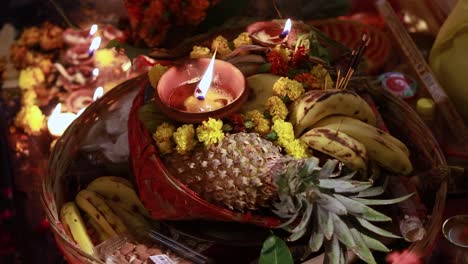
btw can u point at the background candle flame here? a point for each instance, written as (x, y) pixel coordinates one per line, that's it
(98, 93)
(287, 28)
(205, 83)
(58, 121)
(94, 44)
(93, 29)
(95, 72)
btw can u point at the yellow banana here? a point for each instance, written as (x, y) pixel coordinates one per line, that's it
(338, 145)
(116, 190)
(105, 179)
(261, 88)
(315, 105)
(358, 129)
(131, 220)
(387, 151)
(97, 209)
(71, 219)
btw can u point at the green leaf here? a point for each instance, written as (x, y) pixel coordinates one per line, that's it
(361, 210)
(376, 229)
(275, 251)
(150, 116)
(130, 50)
(383, 201)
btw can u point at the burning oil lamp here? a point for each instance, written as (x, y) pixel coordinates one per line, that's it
(270, 33)
(200, 89)
(74, 37)
(82, 54)
(80, 99)
(77, 77)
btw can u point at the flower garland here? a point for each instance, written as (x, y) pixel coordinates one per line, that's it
(270, 124)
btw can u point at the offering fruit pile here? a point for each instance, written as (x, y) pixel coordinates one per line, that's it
(302, 149)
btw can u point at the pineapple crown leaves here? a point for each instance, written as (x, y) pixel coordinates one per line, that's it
(334, 207)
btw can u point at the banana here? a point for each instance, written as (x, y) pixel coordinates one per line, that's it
(387, 151)
(71, 219)
(102, 235)
(338, 145)
(317, 104)
(97, 209)
(260, 89)
(130, 219)
(352, 126)
(118, 189)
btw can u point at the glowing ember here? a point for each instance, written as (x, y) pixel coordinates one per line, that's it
(58, 121)
(205, 83)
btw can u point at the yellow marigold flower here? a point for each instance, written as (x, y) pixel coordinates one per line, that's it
(105, 58)
(284, 130)
(323, 77)
(297, 149)
(277, 108)
(242, 39)
(210, 132)
(31, 119)
(262, 125)
(162, 136)
(200, 52)
(287, 87)
(29, 98)
(285, 52)
(222, 45)
(30, 78)
(184, 138)
(155, 74)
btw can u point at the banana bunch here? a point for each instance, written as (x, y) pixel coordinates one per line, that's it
(341, 124)
(111, 207)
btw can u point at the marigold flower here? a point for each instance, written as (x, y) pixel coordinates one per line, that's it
(278, 65)
(31, 119)
(287, 87)
(261, 124)
(299, 57)
(284, 130)
(322, 76)
(210, 132)
(30, 78)
(277, 108)
(242, 39)
(162, 136)
(297, 148)
(155, 74)
(221, 45)
(237, 121)
(200, 52)
(184, 138)
(284, 52)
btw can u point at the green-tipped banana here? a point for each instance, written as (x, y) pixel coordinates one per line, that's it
(73, 222)
(338, 145)
(387, 151)
(97, 209)
(315, 105)
(119, 190)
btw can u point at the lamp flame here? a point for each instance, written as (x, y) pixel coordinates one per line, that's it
(94, 45)
(287, 28)
(98, 93)
(58, 121)
(95, 72)
(205, 83)
(93, 29)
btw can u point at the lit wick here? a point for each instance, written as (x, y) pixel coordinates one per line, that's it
(205, 83)
(287, 28)
(98, 93)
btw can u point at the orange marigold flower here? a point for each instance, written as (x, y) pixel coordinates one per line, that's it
(278, 65)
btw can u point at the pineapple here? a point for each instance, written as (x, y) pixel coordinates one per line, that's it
(246, 172)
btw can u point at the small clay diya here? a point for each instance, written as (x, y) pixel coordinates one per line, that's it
(74, 37)
(82, 54)
(78, 77)
(179, 92)
(269, 33)
(79, 99)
